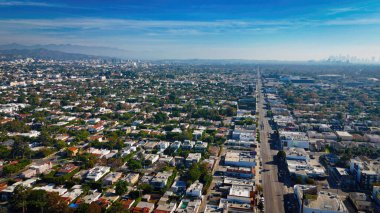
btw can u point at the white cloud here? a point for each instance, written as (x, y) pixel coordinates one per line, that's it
(26, 3)
(340, 10)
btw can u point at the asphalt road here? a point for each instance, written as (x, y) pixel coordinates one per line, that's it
(273, 189)
(212, 185)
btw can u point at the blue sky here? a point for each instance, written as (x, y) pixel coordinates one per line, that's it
(217, 29)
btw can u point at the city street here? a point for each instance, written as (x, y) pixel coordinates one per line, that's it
(272, 188)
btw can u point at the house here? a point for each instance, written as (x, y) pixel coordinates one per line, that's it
(52, 188)
(127, 204)
(175, 145)
(187, 205)
(150, 145)
(167, 159)
(179, 161)
(72, 151)
(100, 153)
(344, 136)
(71, 195)
(197, 134)
(97, 138)
(92, 196)
(68, 168)
(178, 186)
(96, 128)
(132, 178)
(166, 208)
(162, 145)
(97, 173)
(187, 145)
(104, 202)
(193, 158)
(29, 173)
(200, 146)
(195, 190)
(143, 207)
(152, 158)
(372, 138)
(160, 180)
(111, 178)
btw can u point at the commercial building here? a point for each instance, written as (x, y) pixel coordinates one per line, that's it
(366, 172)
(296, 154)
(240, 172)
(306, 169)
(240, 159)
(241, 194)
(294, 139)
(311, 201)
(361, 202)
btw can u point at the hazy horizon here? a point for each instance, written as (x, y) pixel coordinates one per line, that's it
(253, 30)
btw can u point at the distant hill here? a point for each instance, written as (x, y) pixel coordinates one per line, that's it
(43, 54)
(69, 48)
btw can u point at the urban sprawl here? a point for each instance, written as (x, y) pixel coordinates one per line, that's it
(133, 136)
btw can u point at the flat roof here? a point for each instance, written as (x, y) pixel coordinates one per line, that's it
(241, 191)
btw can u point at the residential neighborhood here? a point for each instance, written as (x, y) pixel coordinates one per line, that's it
(133, 136)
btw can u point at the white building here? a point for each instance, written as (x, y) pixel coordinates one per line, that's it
(294, 139)
(152, 158)
(240, 194)
(193, 158)
(160, 180)
(97, 173)
(343, 135)
(296, 154)
(52, 188)
(112, 178)
(186, 206)
(195, 190)
(312, 201)
(239, 159)
(162, 145)
(372, 138)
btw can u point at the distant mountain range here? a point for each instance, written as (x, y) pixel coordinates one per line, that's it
(43, 54)
(69, 48)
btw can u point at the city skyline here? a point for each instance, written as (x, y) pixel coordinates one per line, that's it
(261, 30)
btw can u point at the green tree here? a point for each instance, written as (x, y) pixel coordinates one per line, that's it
(20, 148)
(194, 172)
(281, 155)
(121, 187)
(45, 138)
(146, 188)
(19, 198)
(38, 199)
(134, 164)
